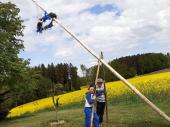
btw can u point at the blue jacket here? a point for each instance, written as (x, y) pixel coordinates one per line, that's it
(89, 99)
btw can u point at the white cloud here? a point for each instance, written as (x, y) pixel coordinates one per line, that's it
(141, 23)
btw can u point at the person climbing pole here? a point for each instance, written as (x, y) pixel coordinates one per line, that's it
(41, 23)
(89, 102)
(100, 99)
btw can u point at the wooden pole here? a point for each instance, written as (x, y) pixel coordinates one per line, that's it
(147, 101)
(38, 5)
(105, 92)
(97, 75)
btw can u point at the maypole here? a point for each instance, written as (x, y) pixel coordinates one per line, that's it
(134, 89)
(97, 76)
(105, 92)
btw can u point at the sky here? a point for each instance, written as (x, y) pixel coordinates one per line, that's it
(116, 27)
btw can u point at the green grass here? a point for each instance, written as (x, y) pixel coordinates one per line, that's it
(122, 115)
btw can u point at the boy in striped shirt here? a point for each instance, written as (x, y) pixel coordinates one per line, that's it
(100, 99)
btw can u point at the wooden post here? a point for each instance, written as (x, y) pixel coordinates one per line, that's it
(97, 75)
(38, 5)
(105, 92)
(98, 70)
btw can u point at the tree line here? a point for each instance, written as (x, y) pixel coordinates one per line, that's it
(62, 73)
(129, 66)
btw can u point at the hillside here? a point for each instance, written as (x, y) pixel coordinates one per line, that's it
(160, 71)
(156, 87)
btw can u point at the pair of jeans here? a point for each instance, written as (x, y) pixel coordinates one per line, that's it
(88, 112)
(100, 110)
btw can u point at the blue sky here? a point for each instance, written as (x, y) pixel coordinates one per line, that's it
(99, 9)
(116, 27)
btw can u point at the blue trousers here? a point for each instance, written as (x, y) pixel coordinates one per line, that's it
(88, 112)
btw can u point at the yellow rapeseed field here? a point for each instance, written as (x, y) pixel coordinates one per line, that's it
(155, 87)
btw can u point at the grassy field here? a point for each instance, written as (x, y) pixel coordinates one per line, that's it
(131, 115)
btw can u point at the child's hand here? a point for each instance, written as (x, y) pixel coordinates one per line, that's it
(94, 97)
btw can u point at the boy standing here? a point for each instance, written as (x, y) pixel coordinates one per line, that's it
(100, 99)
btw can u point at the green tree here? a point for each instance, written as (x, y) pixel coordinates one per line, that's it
(83, 69)
(43, 87)
(10, 29)
(74, 77)
(12, 68)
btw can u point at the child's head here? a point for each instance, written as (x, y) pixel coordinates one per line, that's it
(99, 82)
(91, 87)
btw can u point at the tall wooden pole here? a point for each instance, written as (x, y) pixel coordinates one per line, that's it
(97, 75)
(134, 89)
(147, 101)
(105, 92)
(38, 5)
